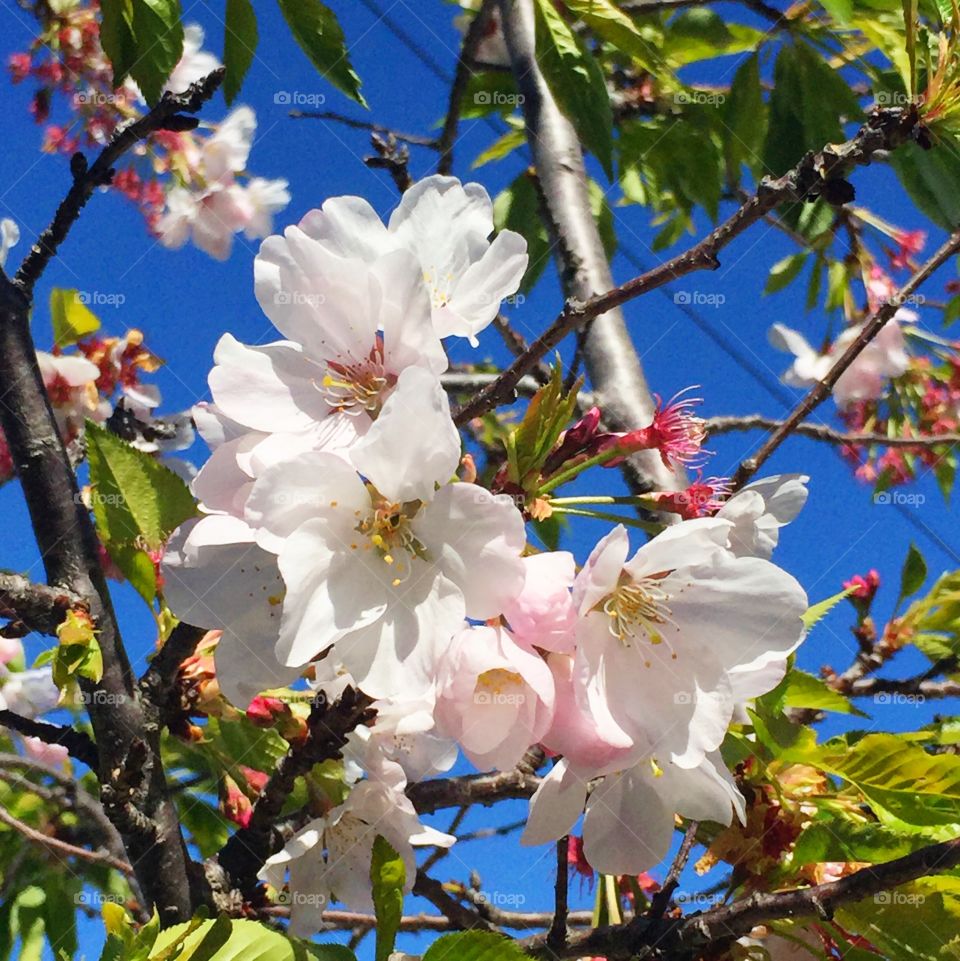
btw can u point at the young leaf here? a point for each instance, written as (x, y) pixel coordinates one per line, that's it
(239, 45)
(816, 612)
(70, 316)
(805, 690)
(474, 946)
(315, 28)
(388, 874)
(913, 574)
(614, 26)
(518, 208)
(116, 38)
(136, 500)
(577, 82)
(159, 44)
(784, 271)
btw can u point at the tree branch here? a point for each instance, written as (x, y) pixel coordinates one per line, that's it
(460, 916)
(78, 744)
(158, 684)
(821, 391)
(885, 129)
(726, 425)
(439, 793)
(610, 358)
(37, 607)
(684, 939)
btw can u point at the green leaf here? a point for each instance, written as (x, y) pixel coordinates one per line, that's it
(316, 29)
(816, 612)
(240, 37)
(70, 316)
(784, 271)
(932, 179)
(28, 921)
(805, 690)
(913, 574)
(910, 30)
(898, 778)
(136, 500)
(518, 208)
(840, 10)
(388, 875)
(116, 37)
(474, 946)
(159, 44)
(614, 26)
(745, 116)
(702, 34)
(576, 81)
(247, 940)
(500, 148)
(841, 840)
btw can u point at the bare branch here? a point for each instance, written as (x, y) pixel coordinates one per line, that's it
(884, 130)
(78, 744)
(413, 139)
(439, 793)
(37, 607)
(745, 422)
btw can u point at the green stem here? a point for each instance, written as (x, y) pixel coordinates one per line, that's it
(576, 469)
(647, 526)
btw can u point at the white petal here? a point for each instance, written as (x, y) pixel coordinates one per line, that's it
(554, 807)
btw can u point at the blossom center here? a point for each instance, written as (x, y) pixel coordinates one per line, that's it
(638, 608)
(439, 284)
(388, 532)
(499, 679)
(357, 388)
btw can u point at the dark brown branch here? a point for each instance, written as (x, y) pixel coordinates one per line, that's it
(460, 916)
(661, 900)
(727, 425)
(685, 939)
(327, 730)
(132, 781)
(78, 744)
(610, 358)
(884, 130)
(821, 391)
(37, 607)
(557, 935)
(86, 179)
(461, 78)
(158, 684)
(434, 795)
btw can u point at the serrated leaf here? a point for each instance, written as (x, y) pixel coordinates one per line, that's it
(116, 37)
(474, 946)
(502, 147)
(816, 612)
(158, 33)
(805, 690)
(614, 26)
(913, 574)
(136, 500)
(576, 81)
(840, 840)
(316, 29)
(388, 877)
(745, 116)
(72, 319)
(518, 208)
(240, 38)
(898, 778)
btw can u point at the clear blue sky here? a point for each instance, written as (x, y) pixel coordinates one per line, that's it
(184, 301)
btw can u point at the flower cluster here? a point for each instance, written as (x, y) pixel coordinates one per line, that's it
(189, 184)
(343, 538)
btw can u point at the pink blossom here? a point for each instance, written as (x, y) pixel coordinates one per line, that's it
(51, 755)
(543, 614)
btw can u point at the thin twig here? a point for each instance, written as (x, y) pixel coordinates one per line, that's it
(661, 900)
(885, 129)
(461, 917)
(745, 422)
(62, 847)
(557, 935)
(411, 138)
(38, 607)
(79, 744)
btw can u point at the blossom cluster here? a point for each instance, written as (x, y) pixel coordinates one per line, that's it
(189, 185)
(343, 538)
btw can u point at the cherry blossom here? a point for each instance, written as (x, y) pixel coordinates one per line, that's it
(29, 693)
(9, 237)
(543, 614)
(447, 226)
(495, 697)
(866, 378)
(388, 569)
(195, 63)
(330, 857)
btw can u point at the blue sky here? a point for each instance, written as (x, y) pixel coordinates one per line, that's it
(184, 301)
